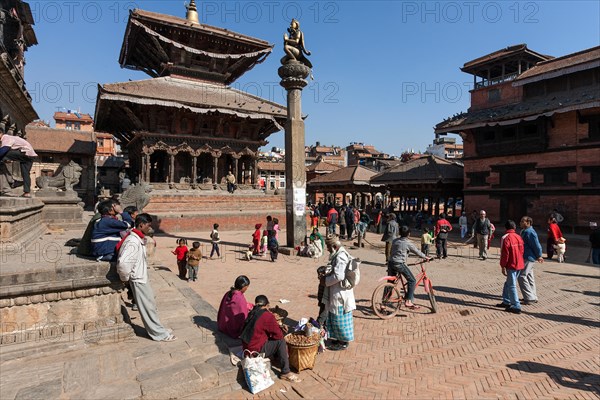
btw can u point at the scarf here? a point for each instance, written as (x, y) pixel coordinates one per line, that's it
(137, 232)
(250, 324)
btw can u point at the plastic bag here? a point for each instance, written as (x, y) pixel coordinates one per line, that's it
(256, 372)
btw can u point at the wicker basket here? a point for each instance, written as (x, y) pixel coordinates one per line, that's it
(302, 357)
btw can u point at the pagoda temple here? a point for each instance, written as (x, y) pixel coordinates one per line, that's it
(185, 126)
(16, 36)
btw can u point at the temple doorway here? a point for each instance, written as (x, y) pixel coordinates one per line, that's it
(204, 168)
(183, 168)
(159, 166)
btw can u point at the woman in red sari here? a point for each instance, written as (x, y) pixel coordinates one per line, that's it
(234, 308)
(554, 235)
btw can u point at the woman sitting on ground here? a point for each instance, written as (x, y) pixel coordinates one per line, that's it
(262, 334)
(234, 308)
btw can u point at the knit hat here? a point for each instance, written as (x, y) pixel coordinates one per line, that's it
(331, 240)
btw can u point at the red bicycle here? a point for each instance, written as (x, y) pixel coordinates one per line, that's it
(388, 297)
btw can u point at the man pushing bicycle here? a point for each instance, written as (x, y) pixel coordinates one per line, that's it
(397, 263)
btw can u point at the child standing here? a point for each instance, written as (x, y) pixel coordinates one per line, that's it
(426, 240)
(215, 239)
(273, 245)
(181, 251)
(276, 227)
(264, 241)
(194, 257)
(256, 239)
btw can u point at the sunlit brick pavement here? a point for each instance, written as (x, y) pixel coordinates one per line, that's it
(469, 349)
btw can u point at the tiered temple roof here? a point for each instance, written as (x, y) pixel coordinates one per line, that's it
(164, 45)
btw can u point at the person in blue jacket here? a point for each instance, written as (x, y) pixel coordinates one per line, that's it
(107, 232)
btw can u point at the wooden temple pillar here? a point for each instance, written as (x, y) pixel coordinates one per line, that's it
(254, 177)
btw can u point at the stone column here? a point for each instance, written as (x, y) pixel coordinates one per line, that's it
(194, 168)
(235, 168)
(293, 78)
(148, 166)
(171, 168)
(215, 167)
(141, 177)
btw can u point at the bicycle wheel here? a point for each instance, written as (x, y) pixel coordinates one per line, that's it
(386, 300)
(432, 297)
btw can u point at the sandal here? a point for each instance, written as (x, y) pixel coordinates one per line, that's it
(170, 338)
(291, 378)
(412, 307)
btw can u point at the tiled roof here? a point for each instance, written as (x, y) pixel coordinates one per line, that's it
(429, 169)
(213, 30)
(560, 65)
(196, 94)
(73, 117)
(60, 140)
(271, 166)
(544, 105)
(503, 53)
(352, 175)
(322, 166)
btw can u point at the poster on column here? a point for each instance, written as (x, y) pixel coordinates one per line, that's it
(299, 201)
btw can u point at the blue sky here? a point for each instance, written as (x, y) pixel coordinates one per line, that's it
(385, 71)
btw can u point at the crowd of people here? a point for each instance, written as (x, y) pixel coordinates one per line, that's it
(121, 235)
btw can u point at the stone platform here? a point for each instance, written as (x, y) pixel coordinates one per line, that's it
(20, 223)
(47, 294)
(110, 363)
(198, 210)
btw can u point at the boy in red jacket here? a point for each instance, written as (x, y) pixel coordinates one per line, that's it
(511, 261)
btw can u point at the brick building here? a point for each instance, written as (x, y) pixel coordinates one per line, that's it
(368, 156)
(74, 120)
(57, 147)
(331, 154)
(532, 135)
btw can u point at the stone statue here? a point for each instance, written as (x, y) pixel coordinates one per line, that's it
(136, 195)
(67, 178)
(294, 45)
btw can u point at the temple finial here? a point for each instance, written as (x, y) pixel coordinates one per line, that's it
(192, 12)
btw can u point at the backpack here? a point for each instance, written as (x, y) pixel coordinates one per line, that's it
(352, 277)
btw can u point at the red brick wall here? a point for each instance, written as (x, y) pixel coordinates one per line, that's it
(192, 213)
(508, 95)
(577, 207)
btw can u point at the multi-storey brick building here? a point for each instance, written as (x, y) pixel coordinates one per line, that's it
(532, 135)
(74, 120)
(368, 156)
(331, 154)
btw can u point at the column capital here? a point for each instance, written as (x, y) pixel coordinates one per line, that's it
(293, 75)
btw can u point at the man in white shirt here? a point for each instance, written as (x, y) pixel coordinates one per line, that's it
(132, 266)
(18, 149)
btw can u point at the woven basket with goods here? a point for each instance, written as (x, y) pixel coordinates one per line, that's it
(302, 350)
